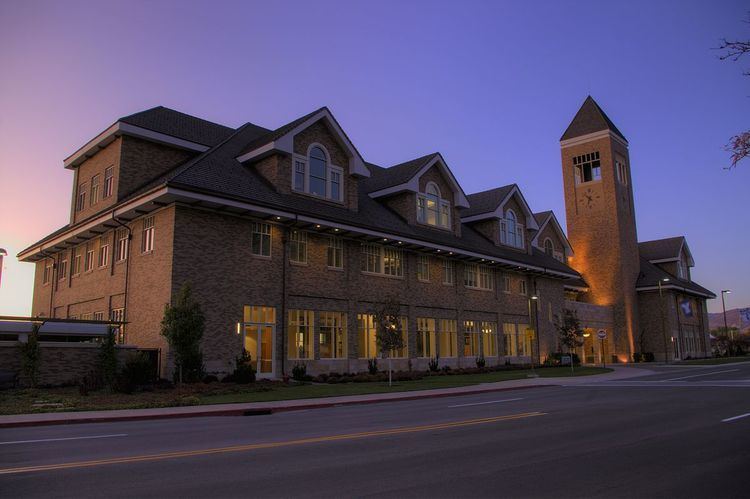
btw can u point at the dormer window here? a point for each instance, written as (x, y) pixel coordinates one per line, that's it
(511, 232)
(315, 175)
(549, 248)
(432, 209)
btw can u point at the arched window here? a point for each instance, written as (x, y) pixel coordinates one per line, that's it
(316, 175)
(511, 232)
(432, 209)
(549, 248)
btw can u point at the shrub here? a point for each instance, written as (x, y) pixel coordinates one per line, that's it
(555, 359)
(446, 369)
(90, 383)
(190, 400)
(137, 371)
(648, 356)
(210, 379)
(481, 362)
(30, 356)
(183, 326)
(108, 360)
(299, 371)
(372, 366)
(433, 364)
(637, 357)
(244, 372)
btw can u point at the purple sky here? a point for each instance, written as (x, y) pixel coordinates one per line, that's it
(491, 85)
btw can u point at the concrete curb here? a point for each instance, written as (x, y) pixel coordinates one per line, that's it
(247, 411)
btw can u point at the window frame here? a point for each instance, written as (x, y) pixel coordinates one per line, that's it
(109, 180)
(483, 277)
(298, 242)
(81, 197)
(258, 231)
(426, 338)
(449, 272)
(338, 331)
(587, 163)
(122, 244)
(301, 318)
(423, 268)
(330, 170)
(442, 207)
(379, 255)
(103, 256)
(512, 232)
(94, 193)
(147, 234)
(335, 253)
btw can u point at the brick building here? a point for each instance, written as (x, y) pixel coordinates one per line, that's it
(290, 240)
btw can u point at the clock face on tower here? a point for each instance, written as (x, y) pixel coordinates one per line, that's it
(589, 198)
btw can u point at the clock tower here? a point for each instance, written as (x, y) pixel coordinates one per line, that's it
(601, 217)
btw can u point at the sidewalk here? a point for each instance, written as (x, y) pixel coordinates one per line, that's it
(253, 408)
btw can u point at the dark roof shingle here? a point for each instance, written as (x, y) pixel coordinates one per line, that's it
(661, 249)
(590, 118)
(170, 122)
(486, 201)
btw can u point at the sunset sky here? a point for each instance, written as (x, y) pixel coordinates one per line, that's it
(491, 85)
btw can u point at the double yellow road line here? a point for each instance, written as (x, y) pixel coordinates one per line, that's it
(268, 445)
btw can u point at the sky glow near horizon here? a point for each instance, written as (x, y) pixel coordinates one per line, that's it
(490, 85)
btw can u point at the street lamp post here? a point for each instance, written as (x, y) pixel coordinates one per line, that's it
(535, 300)
(661, 314)
(724, 309)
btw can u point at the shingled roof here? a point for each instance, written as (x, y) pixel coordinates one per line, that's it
(184, 126)
(651, 274)
(661, 249)
(486, 201)
(590, 118)
(401, 173)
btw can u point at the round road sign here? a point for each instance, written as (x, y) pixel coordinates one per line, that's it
(601, 334)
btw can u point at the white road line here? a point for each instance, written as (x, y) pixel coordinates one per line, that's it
(483, 403)
(735, 417)
(63, 439)
(704, 374)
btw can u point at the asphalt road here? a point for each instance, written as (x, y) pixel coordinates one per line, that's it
(657, 437)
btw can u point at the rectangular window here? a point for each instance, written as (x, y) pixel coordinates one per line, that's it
(300, 334)
(118, 315)
(489, 339)
(332, 335)
(335, 253)
(421, 209)
(432, 210)
(511, 343)
(335, 185)
(486, 280)
(448, 338)
(76, 261)
(478, 276)
(506, 284)
(94, 190)
(147, 239)
(587, 168)
(384, 260)
(63, 272)
(449, 272)
(122, 237)
(367, 347)
(426, 338)
(622, 172)
(299, 175)
(298, 247)
(512, 233)
(47, 274)
(103, 254)
(470, 275)
(423, 267)
(522, 287)
(471, 339)
(260, 239)
(317, 176)
(109, 180)
(88, 263)
(98, 316)
(259, 314)
(81, 199)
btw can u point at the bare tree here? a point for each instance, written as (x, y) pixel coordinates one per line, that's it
(739, 145)
(388, 331)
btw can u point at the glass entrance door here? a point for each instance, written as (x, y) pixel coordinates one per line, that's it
(259, 345)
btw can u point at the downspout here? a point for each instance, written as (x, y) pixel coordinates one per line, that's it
(284, 246)
(127, 267)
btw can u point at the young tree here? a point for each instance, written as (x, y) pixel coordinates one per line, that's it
(388, 332)
(183, 326)
(570, 332)
(108, 359)
(739, 145)
(30, 356)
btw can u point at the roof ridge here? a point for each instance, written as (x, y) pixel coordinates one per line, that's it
(493, 189)
(176, 111)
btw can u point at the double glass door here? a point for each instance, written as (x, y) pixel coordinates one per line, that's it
(259, 345)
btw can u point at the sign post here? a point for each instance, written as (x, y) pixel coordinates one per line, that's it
(602, 334)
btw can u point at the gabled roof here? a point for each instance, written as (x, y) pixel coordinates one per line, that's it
(650, 276)
(282, 139)
(405, 177)
(490, 203)
(544, 218)
(665, 250)
(590, 118)
(184, 126)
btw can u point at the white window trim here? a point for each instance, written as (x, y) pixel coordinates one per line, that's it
(441, 203)
(519, 231)
(423, 260)
(330, 167)
(335, 243)
(304, 240)
(381, 257)
(260, 234)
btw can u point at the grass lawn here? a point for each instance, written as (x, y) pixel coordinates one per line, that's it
(23, 401)
(714, 361)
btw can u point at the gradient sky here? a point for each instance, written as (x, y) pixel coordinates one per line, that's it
(491, 85)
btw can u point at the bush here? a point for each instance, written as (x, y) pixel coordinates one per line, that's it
(446, 369)
(30, 356)
(244, 372)
(637, 357)
(648, 356)
(555, 359)
(137, 371)
(481, 362)
(433, 364)
(210, 379)
(108, 360)
(90, 383)
(372, 366)
(299, 371)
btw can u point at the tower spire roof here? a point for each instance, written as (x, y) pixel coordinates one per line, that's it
(590, 118)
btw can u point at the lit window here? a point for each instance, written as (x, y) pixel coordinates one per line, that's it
(489, 339)
(81, 199)
(426, 338)
(449, 272)
(298, 247)
(471, 339)
(103, 254)
(118, 315)
(423, 267)
(335, 253)
(300, 334)
(448, 338)
(122, 245)
(587, 168)
(432, 209)
(109, 179)
(549, 248)
(519, 340)
(377, 259)
(147, 240)
(366, 333)
(315, 175)
(511, 340)
(511, 232)
(260, 239)
(94, 189)
(332, 335)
